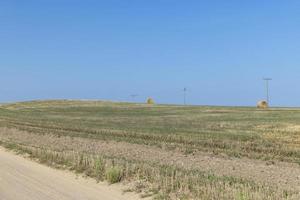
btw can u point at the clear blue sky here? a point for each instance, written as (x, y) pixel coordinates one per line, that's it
(83, 49)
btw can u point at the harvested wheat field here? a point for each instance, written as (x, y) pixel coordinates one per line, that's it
(163, 151)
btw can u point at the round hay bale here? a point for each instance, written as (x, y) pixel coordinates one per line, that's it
(150, 101)
(262, 104)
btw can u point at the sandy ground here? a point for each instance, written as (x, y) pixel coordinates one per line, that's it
(22, 179)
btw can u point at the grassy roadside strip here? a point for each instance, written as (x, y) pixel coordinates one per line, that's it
(150, 179)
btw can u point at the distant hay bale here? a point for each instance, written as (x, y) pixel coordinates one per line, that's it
(150, 101)
(262, 104)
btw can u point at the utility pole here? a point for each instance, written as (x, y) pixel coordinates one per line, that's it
(184, 95)
(267, 88)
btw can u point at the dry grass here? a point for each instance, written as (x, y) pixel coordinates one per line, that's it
(150, 101)
(171, 130)
(159, 181)
(262, 104)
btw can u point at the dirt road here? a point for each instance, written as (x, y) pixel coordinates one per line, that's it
(22, 179)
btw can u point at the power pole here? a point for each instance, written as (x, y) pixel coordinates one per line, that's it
(184, 95)
(267, 88)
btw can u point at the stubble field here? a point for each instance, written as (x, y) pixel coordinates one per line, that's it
(164, 151)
